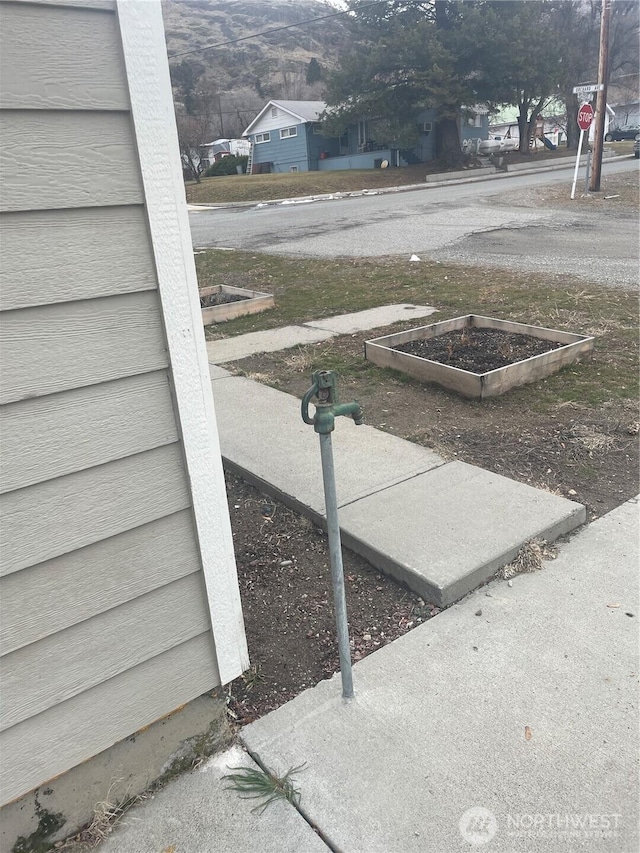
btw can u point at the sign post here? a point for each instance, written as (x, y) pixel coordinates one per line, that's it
(585, 117)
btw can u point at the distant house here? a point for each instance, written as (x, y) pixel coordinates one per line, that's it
(627, 114)
(212, 152)
(553, 127)
(286, 136)
(120, 614)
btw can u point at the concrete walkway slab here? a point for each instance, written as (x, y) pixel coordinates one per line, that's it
(262, 436)
(361, 321)
(270, 340)
(197, 814)
(441, 528)
(448, 530)
(507, 723)
(218, 372)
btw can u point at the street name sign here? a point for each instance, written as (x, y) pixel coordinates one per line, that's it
(587, 90)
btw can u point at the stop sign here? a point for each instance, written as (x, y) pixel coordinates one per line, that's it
(585, 116)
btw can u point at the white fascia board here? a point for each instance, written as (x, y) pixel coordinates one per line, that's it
(145, 55)
(254, 126)
(257, 119)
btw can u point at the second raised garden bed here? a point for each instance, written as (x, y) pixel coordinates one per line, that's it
(525, 353)
(224, 302)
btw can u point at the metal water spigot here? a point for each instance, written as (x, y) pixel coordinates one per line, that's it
(328, 407)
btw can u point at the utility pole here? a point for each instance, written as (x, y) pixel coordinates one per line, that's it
(220, 114)
(601, 102)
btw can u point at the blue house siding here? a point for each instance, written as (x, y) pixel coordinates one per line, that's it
(368, 160)
(468, 131)
(425, 150)
(285, 155)
(358, 148)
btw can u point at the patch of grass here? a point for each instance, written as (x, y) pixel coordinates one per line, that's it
(239, 188)
(312, 289)
(253, 783)
(226, 189)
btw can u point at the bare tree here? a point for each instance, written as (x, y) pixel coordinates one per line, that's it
(192, 134)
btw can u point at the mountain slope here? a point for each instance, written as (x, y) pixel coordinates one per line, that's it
(230, 83)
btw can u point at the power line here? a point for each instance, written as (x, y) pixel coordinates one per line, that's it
(274, 30)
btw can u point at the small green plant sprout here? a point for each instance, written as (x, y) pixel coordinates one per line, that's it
(252, 783)
(252, 677)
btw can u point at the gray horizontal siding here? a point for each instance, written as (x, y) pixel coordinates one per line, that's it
(52, 436)
(63, 665)
(62, 255)
(54, 159)
(49, 597)
(104, 620)
(85, 71)
(46, 745)
(56, 517)
(55, 348)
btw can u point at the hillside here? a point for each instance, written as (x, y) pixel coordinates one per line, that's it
(231, 83)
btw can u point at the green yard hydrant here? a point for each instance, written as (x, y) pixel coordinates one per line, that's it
(328, 408)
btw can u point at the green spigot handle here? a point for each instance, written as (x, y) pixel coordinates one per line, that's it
(328, 407)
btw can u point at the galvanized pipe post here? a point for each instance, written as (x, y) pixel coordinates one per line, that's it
(327, 409)
(337, 570)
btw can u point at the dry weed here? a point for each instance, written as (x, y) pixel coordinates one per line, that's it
(588, 438)
(528, 559)
(105, 817)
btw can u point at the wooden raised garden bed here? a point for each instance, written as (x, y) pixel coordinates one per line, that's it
(224, 302)
(478, 344)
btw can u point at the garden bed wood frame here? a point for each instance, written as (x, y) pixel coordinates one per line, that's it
(252, 303)
(478, 386)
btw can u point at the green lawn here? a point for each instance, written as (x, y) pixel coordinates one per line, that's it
(239, 188)
(310, 289)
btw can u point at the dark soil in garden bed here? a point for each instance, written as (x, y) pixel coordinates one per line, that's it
(285, 584)
(222, 298)
(478, 350)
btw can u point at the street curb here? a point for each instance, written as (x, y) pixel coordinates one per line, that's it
(387, 190)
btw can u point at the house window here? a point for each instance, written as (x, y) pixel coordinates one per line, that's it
(317, 129)
(293, 169)
(274, 112)
(262, 137)
(425, 127)
(287, 132)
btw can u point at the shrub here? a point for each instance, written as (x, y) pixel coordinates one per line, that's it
(227, 166)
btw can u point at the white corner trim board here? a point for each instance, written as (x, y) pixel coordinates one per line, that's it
(147, 67)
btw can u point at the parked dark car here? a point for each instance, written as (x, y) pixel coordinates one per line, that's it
(636, 146)
(616, 134)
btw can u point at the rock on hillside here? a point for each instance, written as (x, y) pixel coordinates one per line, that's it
(241, 77)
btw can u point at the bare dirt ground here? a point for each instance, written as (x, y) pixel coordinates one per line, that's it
(285, 584)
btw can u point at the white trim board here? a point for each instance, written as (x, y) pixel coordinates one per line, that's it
(145, 56)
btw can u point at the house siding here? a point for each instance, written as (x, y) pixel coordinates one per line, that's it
(105, 625)
(285, 154)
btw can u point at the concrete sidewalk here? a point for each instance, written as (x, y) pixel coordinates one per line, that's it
(441, 527)
(507, 723)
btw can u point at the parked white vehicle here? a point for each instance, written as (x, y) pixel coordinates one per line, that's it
(497, 145)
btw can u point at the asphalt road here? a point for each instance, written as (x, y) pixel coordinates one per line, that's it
(467, 223)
